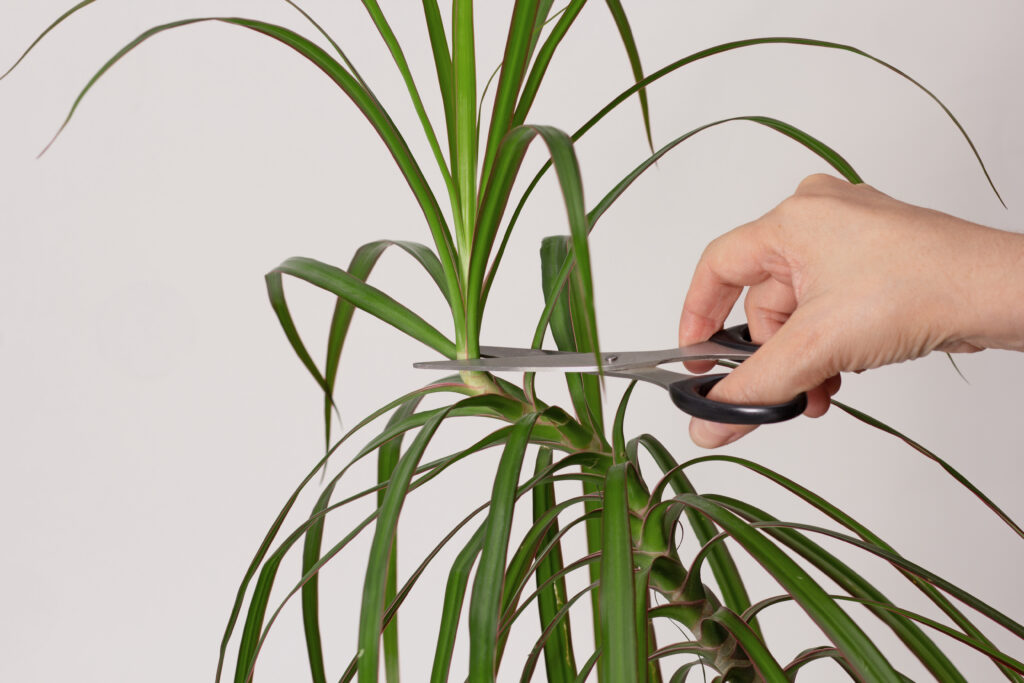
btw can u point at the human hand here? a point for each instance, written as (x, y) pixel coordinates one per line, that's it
(842, 278)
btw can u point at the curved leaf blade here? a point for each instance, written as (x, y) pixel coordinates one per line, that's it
(366, 297)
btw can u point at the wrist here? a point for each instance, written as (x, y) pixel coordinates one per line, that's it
(995, 302)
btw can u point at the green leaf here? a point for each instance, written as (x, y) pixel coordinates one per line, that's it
(443, 67)
(872, 540)
(314, 537)
(513, 67)
(499, 186)
(387, 461)
(373, 9)
(927, 652)
(528, 559)
(252, 637)
(464, 100)
(589, 666)
(361, 97)
(485, 603)
(626, 34)
(862, 654)
(812, 143)
(727, 576)
(540, 65)
(568, 327)
(56, 22)
(618, 599)
(337, 48)
(813, 654)
(902, 563)
(682, 672)
(264, 548)
(995, 655)
(360, 267)
(618, 428)
(768, 669)
(366, 297)
(950, 470)
(374, 586)
(559, 661)
(454, 594)
(734, 45)
(556, 622)
(455, 591)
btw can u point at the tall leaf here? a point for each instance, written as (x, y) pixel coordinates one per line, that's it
(619, 638)
(485, 603)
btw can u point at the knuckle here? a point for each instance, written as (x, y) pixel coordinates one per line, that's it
(817, 182)
(798, 208)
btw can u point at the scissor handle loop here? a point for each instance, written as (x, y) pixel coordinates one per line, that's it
(690, 396)
(735, 337)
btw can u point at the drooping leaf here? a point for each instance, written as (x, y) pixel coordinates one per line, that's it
(374, 586)
(860, 651)
(485, 603)
(618, 599)
(550, 627)
(364, 296)
(812, 143)
(363, 99)
(950, 470)
(540, 65)
(767, 667)
(723, 567)
(871, 540)
(360, 267)
(927, 652)
(268, 539)
(629, 42)
(384, 28)
(559, 660)
(57, 22)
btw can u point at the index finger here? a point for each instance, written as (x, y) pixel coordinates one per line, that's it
(739, 258)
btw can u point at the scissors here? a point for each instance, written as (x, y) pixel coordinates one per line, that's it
(688, 392)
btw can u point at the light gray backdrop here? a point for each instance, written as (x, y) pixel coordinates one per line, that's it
(153, 418)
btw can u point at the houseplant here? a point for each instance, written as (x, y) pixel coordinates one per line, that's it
(606, 460)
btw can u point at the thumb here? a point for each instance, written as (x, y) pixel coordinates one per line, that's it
(790, 362)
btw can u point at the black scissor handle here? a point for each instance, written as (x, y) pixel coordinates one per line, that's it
(690, 396)
(735, 337)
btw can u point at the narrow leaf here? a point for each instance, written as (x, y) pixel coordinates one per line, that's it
(374, 586)
(485, 603)
(559, 661)
(513, 68)
(363, 262)
(863, 655)
(629, 42)
(366, 297)
(723, 567)
(619, 662)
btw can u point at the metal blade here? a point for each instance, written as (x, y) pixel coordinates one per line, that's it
(539, 360)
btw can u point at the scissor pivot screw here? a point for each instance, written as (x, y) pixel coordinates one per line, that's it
(610, 359)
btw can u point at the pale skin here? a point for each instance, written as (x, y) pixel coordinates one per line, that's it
(844, 278)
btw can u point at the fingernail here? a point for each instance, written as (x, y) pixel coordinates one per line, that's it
(712, 434)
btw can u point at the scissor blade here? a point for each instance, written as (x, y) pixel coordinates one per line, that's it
(565, 362)
(539, 360)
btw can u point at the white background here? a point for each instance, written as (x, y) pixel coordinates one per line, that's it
(153, 418)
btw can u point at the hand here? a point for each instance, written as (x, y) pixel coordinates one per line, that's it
(841, 278)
